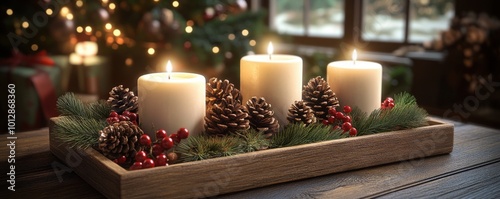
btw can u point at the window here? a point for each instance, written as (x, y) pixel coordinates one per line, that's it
(316, 18)
(385, 23)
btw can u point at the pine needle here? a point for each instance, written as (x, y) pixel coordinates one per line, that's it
(297, 134)
(78, 132)
(202, 147)
(69, 105)
(252, 140)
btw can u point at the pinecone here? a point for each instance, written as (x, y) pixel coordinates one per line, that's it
(226, 117)
(300, 112)
(119, 139)
(318, 95)
(122, 99)
(218, 90)
(261, 116)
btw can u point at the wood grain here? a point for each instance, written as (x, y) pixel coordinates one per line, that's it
(224, 175)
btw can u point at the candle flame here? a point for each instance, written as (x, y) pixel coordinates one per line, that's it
(270, 49)
(354, 56)
(169, 68)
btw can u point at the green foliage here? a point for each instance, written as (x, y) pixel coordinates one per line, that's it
(69, 105)
(78, 132)
(297, 134)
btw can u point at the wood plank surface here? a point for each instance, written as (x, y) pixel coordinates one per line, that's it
(475, 151)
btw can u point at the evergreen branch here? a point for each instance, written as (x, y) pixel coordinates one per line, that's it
(69, 105)
(297, 134)
(202, 147)
(99, 110)
(78, 132)
(252, 140)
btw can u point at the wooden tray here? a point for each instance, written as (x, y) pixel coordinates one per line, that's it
(257, 169)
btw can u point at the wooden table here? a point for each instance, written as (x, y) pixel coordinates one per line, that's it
(472, 170)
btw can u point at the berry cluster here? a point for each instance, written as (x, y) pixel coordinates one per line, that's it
(387, 104)
(341, 120)
(114, 117)
(156, 150)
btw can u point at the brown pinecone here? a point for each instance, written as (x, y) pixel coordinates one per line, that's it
(226, 117)
(300, 112)
(122, 99)
(218, 90)
(119, 139)
(318, 95)
(261, 116)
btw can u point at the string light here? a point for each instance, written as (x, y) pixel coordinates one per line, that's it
(34, 47)
(117, 32)
(129, 61)
(88, 29)
(104, 1)
(64, 11)
(69, 16)
(108, 26)
(119, 41)
(98, 33)
(114, 46)
(252, 42)
(25, 24)
(110, 40)
(9, 11)
(190, 23)
(231, 36)
(49, 11)
(151, 51)
(244, 32)
(112, 6)
(79, 3)
(175, 4)
(189, 29)
(215, 49)
(79, 29)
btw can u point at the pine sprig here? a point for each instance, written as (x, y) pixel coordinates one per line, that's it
(69, 105)
(252, 140)
(77, 131)
(203, 147)
(297, 134)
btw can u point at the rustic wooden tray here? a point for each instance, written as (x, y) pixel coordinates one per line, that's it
(257, 169)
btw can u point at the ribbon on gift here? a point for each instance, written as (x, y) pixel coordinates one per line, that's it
(41, 80)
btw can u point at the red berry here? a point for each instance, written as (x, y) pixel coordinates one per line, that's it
(346, 126)
(113, 114)
(182, 133)
(148, 163)
(382, 105)
(325, 122)
(331, 119)
(161, 160)
(115, 161)
(140, 156)
(391, 105)
(123, 118)
(126, 113)
(389, 99)
(132, 116)
(112, 120)
(122, 159)
(145, 140)
(167, 143)
(353, 131)
(347, 118)
(160, 134)
(339, 115)
(347, 109)
(136, 166)
(332, 111)
(157, 149)
(175, 137)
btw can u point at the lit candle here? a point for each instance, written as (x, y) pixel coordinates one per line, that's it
(170, 101)
(356, 83)
(277, 78)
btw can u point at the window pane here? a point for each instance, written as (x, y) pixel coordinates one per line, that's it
(287, 16)
(383, 20)
(326, 18)
(428, 18)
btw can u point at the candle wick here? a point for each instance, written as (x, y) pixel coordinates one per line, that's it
(270, 56)
(168, 76)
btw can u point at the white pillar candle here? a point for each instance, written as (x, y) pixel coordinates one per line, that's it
(170, 101)
(356, 83)
(277, 78)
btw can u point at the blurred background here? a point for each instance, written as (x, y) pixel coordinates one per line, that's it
(445, 52)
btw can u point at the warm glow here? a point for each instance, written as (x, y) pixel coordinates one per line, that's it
(244, 32)
(252, 42)
(79, 29)
(49, 11)
(190, 23)
(119, 40)
(175, 4)
(169, 67)
(34, 47)
(270, 49)
(231, 36)
(129, 61)
(69, 16)
(79, 3)
(151, 51)
(108, 26)
(354, 55)
(117, 33)
(215, 49)
(112, 6)
(86, 48)
(64, 11)
(104, 1)
(9, 11)
(88, 29)
(25, 24)
(189, 29)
